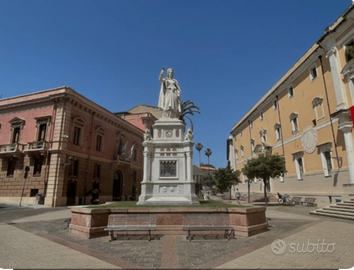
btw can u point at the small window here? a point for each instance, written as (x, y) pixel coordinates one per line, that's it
(236, 153)
(290, 91)
(317, 104)
(263, 134)
(241, 133)
(252, 145)
(313, 73)
(99, 139)
(242, 151)
(74, 168)
(135, 154)
(77, 135)
(277, 131)
(294, 122)
(78, 125)
(42, 126)
(11, 164)
(275, 104)
(17, 125)
(261, 116)
(37, 168)
(251, 123)
(97, 171)
(16, 135)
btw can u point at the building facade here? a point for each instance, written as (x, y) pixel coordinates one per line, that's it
(306, 117)
(71, 147)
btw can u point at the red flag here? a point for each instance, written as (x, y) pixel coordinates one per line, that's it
(352, 112)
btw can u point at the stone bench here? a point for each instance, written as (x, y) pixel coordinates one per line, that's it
(207, 223)
(309, 202)
(130, 222)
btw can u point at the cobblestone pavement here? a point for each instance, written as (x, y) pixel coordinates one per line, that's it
(42, 234)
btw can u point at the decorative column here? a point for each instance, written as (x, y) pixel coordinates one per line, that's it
(337, 82)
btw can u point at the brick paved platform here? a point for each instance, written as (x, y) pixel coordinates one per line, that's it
(39, 238)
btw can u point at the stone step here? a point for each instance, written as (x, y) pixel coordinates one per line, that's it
(336, 212)
(331, 215)
(339, 205)
(339, 209)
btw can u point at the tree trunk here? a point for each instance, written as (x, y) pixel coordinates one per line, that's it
(265, 192)
(249, 191)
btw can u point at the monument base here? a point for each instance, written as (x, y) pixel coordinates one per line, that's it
(167, 200)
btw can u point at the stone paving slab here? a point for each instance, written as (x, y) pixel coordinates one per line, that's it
(44, 238)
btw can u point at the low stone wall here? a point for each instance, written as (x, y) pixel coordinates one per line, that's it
(90, 222)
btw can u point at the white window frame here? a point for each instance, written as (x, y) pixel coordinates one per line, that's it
(275, 104)
(291, 91)
(294, 123)
(263, 134)
(261, 116)
(252, 145)
(277, 129)
(236, 153)
(313, 72)
(242, 151)
(317, 104)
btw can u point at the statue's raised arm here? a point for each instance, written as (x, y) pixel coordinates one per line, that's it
(170, 92)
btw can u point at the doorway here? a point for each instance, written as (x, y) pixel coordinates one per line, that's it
(117, 186)
(71, 192)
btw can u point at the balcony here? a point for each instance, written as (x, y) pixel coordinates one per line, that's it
(11, 150)
(35, 148)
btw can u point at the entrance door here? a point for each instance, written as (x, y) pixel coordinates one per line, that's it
(117, 186)
(71, 192)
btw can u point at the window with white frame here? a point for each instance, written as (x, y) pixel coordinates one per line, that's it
(242, 151)
(290, 91)
(236, 153)
(299, 164)
(294, 122)
(277, 129)
(326, 157)
(261, 116)
(78, 128)
(252, 144)
(275, 104)
(241, 133)
(251, 123)
(313, 72)
(317, 104)
(263, 134)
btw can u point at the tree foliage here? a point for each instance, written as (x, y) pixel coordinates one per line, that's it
(225, 178)
(265, 167)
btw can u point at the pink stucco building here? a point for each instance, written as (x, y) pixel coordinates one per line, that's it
(72, 147)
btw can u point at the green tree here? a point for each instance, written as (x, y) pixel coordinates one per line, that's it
(225, 178)
(265, 167)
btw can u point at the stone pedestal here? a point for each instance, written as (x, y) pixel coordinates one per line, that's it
(168, 166)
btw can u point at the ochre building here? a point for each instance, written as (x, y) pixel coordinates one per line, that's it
(306, 117)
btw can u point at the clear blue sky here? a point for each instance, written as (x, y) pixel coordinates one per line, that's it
(226, 54)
